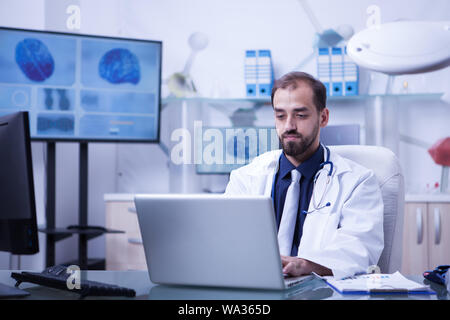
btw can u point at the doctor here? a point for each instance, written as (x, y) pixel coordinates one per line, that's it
(329, 210)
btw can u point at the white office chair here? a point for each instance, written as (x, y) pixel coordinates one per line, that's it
(386, 168)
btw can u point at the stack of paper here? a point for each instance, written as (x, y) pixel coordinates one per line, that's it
(377, 283)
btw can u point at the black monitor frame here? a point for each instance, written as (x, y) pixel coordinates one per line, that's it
(15, 224)
(158, 133)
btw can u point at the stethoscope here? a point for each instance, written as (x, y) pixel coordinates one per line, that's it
(318, 206)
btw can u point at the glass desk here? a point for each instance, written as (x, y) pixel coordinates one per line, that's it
(315, 289)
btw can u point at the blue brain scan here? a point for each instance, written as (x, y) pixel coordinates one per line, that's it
(119, 66)
(34, 59)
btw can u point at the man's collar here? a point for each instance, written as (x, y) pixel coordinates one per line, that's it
(307, 168)
(285, 166)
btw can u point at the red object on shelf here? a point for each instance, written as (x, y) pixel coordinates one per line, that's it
(440, 152)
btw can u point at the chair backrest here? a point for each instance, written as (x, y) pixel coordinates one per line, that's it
(386, 168)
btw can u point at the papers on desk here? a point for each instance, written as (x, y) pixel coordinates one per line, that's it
(377, 283)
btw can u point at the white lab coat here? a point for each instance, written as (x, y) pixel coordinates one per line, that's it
(347, 236)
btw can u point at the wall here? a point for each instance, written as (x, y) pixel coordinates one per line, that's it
(30, 14)
(282, 26)
(232, 26)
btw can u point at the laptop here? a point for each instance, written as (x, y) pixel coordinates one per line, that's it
(212, 240)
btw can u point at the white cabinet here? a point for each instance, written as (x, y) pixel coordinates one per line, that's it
(426, 233)
(439, 233)
(123, 251)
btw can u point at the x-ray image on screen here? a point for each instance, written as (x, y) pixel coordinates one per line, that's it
(79, 87)
(52, 124)
(55, 99)
(123, 102)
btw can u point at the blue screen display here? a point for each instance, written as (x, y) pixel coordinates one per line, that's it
(79, 87)
(220, 150)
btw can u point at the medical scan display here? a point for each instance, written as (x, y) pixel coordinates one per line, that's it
(232, 148)
(79, 87)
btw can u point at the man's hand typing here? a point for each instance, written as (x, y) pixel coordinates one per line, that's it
(294, 266)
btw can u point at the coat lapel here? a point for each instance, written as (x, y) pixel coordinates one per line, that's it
(316, 222)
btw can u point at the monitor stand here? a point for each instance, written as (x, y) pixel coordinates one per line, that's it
(12, 292)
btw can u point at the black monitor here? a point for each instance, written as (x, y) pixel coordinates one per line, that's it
(336, 135)
(18, 225)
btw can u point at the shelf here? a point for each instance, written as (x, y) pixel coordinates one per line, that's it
(427, 96)
(218, 100)
(63, 233)
(57, 234)
(92, 263)
(412, 96)
(428, 197)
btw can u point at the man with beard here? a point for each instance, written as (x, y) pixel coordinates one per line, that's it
(341, 236)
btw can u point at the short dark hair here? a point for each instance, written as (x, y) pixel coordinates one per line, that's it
(290, 81)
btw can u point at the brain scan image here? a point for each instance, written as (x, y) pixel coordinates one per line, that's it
(34, 59)
(119, 66)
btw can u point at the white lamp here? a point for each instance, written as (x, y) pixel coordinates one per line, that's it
(397, 48)
(323, 38)
(180, 83)
(402, 47)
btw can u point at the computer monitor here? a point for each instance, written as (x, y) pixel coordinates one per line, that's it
(222, 150)
(346, 134)
(82, 87)
(18, 225)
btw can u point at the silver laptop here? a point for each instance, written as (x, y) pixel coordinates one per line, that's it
(212, 240)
